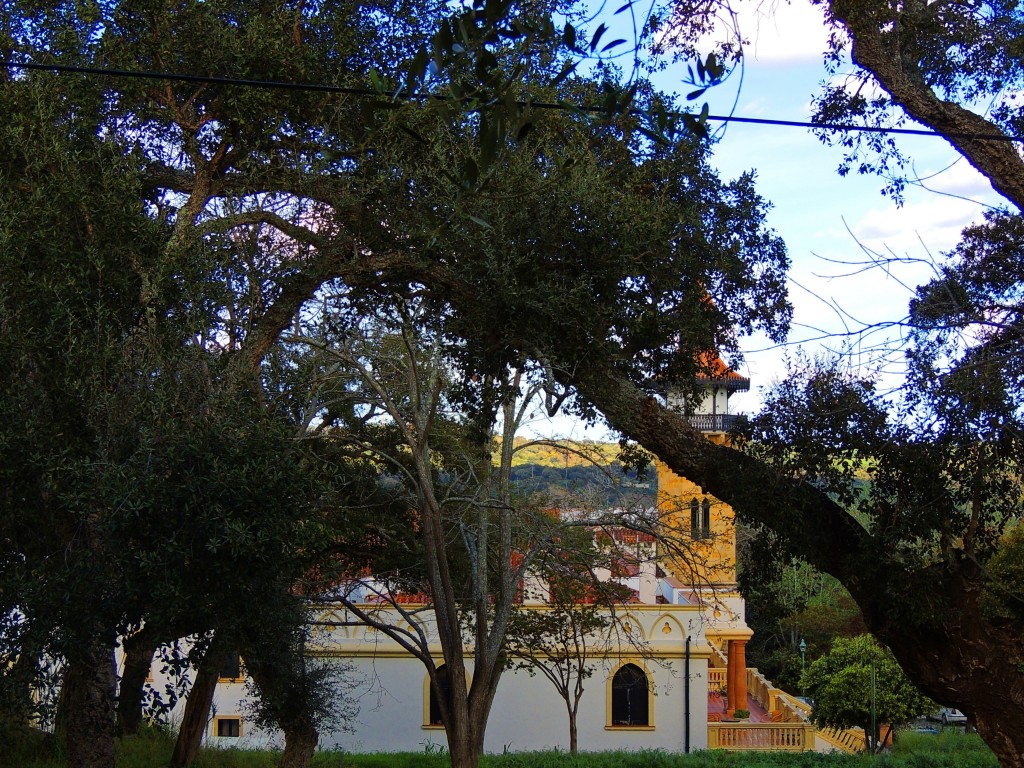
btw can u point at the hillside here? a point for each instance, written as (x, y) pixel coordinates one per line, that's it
(579, 474)
(564, 453)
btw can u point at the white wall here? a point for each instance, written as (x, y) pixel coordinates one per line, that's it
(528, 714)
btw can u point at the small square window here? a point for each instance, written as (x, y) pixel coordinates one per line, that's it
(231, 669)
(229, 727)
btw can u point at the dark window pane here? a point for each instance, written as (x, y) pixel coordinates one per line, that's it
(629, 697)
(231, 667)
(229, 726)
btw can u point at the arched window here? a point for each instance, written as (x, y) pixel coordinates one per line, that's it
(630, 696)
(700, 518)
(445, 684)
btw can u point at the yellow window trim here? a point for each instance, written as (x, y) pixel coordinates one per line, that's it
(241, 674)
(216, 728)
(608, 724)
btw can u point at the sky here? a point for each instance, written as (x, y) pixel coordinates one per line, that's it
(826, 220)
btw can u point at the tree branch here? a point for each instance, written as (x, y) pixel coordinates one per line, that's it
(879, 49)
(809, 522)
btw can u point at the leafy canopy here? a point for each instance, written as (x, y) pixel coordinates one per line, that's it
(859, 683)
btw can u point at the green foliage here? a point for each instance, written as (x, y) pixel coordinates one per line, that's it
(135, 437)
(946, 750)
(859, 683)
(942, 472)
(570, 453)
(1003, 596)
(789, 601)
(288, 689)
(162, 235)
(589, 485)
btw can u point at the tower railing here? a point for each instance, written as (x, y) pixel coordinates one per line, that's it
(716, 422)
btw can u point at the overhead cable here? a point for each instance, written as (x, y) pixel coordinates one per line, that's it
(421, 97)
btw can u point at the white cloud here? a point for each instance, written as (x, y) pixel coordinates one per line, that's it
(958, 177)
(783, 32)
(759, 106)
(933, 225)
(779, 31)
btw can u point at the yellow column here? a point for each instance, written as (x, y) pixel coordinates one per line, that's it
(730, 679)
(736, 676)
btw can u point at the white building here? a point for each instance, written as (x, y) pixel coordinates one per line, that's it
(643, 693)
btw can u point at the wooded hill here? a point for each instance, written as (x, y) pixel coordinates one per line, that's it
(580, 473)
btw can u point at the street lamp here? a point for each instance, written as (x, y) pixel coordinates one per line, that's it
(803, 663)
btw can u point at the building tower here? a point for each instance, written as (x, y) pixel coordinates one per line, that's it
(701, 565)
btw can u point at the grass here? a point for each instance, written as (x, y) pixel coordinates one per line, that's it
(152, 749)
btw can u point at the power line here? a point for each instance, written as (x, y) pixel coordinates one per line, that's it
(200, 79)
(354, 91)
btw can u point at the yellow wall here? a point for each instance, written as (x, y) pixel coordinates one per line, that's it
(698, 561)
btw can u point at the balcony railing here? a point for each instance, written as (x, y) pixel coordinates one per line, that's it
(716, 422)
(849, 740)
(785, 737)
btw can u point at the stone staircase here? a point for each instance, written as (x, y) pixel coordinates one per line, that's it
(784, 725)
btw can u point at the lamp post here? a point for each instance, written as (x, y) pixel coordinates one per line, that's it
(803, 662)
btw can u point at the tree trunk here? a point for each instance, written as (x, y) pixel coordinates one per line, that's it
(197, 708)
(300, 740)
(466, 717)
(293, 710)
(968, 663)
(85, 720)
(466, 741)
(573, 735)
(893, 59)
(138, 657)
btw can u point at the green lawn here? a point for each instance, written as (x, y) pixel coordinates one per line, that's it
(152, 750)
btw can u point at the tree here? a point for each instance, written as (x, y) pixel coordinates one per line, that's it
(239, 204)
(57, 455)
(936, 63)
(922, 600)
(859, 683)
(794, 610)
(121, 450)
(568, 638)
(952, 485)
(141, 448)
(430, 425)
(300, 695)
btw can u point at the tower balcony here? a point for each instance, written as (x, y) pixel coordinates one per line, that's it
(716, 422)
